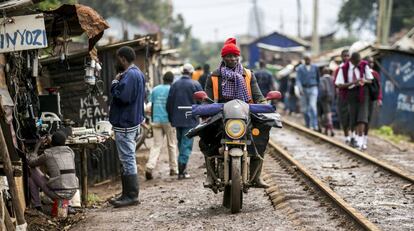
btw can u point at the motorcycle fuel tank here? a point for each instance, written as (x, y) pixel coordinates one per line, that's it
(236, 109)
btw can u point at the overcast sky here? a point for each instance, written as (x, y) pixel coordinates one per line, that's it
(230, 17)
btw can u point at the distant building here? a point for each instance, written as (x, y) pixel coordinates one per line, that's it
(275, 48)
(121, 30)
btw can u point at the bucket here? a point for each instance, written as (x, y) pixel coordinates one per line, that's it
(60, 208)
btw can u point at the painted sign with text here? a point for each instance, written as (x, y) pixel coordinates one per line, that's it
(23, 33)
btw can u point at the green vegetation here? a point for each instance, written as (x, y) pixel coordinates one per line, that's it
(93, 199)
(387, 132)
(53, 4)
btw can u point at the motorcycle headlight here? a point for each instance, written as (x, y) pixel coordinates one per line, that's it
(235, 129)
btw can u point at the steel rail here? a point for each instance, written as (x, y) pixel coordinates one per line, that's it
(390, 168)
(352, 212)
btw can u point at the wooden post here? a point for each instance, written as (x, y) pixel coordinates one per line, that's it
(20, 187)
(7, 223)
(84, 175)
(4, 153)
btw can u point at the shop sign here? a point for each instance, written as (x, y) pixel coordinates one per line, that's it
(22, 33)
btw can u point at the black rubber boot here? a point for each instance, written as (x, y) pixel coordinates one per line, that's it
(112, 200)
(257, 182)
(131, 193)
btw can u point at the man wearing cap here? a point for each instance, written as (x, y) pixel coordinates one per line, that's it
(181, 94)
(232, 81)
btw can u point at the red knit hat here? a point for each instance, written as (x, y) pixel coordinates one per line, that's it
(230, 48)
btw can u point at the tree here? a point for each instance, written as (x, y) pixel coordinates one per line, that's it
(53, 4)
(362, 14)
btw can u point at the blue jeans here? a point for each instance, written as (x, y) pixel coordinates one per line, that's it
(125, 144)
(185, 145)
(309, 106)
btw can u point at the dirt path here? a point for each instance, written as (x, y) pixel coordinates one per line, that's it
(169, 204)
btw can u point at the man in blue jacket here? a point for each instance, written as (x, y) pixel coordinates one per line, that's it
(307, 81)
(181, 94)
(126, 114)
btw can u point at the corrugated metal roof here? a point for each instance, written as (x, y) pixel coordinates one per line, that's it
(406, 42)
(281, 49)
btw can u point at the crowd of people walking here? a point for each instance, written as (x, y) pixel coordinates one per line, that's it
(352, 91)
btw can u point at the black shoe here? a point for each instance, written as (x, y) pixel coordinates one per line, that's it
(353, 143)
(71, 210)
(131, 192)
(120, 197)
(148, 174)
(182, 172)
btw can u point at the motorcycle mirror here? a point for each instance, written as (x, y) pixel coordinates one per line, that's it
(272, 95)
(200, 95)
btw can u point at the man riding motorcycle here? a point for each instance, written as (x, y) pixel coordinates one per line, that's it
(232, 81)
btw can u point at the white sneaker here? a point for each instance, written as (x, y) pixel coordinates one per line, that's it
(364, 147)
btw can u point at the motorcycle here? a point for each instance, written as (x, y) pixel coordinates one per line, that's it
(229, 139)
(145, 132)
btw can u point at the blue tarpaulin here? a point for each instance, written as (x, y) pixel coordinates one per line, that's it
(212, 109)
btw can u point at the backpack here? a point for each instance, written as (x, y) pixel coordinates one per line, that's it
(374, 89)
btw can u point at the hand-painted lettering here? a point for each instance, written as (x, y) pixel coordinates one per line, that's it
(1, 41)
(21, 36)
(36, 34)
(11, 39)
(29, 38)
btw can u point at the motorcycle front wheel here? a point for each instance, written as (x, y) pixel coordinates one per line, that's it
(236, 191)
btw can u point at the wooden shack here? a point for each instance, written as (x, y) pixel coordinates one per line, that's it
(84, 108)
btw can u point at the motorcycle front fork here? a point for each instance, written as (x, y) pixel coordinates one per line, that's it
(223, 170)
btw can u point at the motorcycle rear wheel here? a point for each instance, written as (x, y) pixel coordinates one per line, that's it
(236, 191)
(141, 138)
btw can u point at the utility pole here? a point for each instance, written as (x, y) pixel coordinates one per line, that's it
(315, 35)
(387, 22)
(384, 21)
(380, 20)
(299, 8)
(281, 22)
(257, 18)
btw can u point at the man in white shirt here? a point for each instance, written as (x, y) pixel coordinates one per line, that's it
(355, 75)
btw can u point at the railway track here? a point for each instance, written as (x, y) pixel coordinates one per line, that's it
(372, 193)
(352, 151)
(308, 202)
